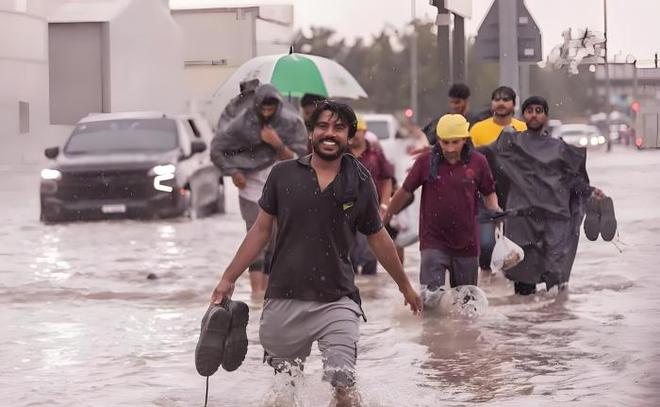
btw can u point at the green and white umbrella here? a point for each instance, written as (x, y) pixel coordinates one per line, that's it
(293, 75)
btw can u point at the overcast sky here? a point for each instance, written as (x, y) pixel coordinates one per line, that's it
(631, 23)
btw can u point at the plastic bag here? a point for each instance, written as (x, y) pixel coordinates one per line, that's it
(506, 254)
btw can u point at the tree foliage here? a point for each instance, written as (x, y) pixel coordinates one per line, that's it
(382, 66)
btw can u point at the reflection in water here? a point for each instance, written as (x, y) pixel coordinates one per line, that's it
(82, 325)
(489, 358)
(49, 265)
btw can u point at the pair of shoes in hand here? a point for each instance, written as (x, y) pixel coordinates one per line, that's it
(223, 338)
(600, 219)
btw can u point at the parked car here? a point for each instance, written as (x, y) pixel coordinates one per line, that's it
(132, 164)
(581, 135)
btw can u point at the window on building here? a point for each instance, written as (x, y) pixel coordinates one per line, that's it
(23, 117)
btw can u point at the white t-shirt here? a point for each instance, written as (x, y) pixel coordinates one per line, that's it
(254, 184)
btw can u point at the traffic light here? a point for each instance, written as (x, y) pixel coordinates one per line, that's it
(408, 113)
(635, 106)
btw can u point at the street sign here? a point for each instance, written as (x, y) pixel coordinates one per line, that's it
(528, 33)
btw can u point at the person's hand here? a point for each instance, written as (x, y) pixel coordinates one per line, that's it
(223, 290)
(382, 211)
(387, 217)
(598, 194)
(270, 136)
(238, 179)
(412, 299)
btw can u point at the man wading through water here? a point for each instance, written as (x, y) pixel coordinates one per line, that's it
(319, 202)
(549, 187)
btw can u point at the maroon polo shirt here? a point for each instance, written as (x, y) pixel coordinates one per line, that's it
(379, 167)
(448, 208)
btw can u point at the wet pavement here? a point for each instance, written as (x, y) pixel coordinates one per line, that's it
(82, 324)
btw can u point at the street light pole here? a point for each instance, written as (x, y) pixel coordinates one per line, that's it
(413, 64)
(608, 91)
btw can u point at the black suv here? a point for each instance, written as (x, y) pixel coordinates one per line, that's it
(136, 164)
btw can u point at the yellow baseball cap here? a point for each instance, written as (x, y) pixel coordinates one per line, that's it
(452, 126)
(361, 123)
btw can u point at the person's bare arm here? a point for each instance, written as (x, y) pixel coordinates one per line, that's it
(254, 242)
(401, 196)
(385, 195)
(385, 251)
(490, 202)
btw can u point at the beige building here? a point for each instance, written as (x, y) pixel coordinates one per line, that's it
(220, 36)
(63, 59)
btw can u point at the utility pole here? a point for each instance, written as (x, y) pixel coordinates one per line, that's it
(458, 49)
(413, 64)
(508, 34)
(608, 90)
(443, 22)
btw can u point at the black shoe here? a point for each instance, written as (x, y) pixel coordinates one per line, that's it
(236, 344)
(592, 220)
(524, 288)
(607, 219)
(211, 344)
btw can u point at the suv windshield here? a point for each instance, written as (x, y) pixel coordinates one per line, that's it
(123, 135)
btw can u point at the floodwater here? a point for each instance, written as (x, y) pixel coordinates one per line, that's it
(82, 325)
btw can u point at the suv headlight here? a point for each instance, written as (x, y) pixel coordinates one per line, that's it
(163, 173)
(50, 174)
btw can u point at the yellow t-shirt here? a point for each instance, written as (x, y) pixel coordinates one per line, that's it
(487, 131)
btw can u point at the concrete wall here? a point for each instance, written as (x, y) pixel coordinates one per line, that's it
(216, 42)
(23, 78)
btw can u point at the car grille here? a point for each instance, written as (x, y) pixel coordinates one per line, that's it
(105, 185)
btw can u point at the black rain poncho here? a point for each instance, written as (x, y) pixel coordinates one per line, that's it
(237, 145)
(546, 180)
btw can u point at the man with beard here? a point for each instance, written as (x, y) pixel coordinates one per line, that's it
(458, 102)
(452, 176)
(254, 132)
(548, 186)
(319, 202)
(503, 102)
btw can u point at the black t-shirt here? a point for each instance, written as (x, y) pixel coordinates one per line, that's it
(316, 229)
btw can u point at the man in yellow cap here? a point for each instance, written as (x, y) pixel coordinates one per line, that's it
(452, 175)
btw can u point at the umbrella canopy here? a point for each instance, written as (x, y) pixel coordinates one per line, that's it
(293, 75)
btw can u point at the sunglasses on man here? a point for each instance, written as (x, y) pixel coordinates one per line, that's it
(535, 109)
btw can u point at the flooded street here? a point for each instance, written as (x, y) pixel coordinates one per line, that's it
(82, 325)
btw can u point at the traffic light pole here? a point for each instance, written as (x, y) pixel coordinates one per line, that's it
(608, 90)
(444, 44)
(413, 65)
(458, 49)
(508, 35)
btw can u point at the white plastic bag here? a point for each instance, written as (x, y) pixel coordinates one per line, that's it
(506, 253)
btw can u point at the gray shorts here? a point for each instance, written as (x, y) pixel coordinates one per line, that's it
(249, 213)
(289, 327)
(462, 270)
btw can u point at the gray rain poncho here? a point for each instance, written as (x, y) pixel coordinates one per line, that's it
(237, 145)
(546, 180)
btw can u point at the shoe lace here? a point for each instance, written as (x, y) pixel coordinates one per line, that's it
(620, 242)
(206, 395)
